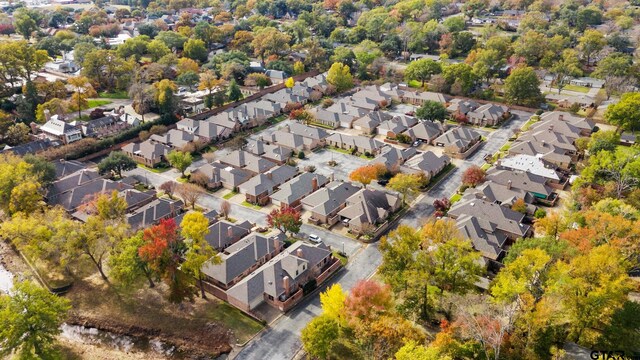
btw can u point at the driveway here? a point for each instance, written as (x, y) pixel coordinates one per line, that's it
(336, 241)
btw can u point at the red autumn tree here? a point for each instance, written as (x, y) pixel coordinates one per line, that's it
(367, 300)
(164, 251)
(286, 219)
(158, 241)
(473, 176)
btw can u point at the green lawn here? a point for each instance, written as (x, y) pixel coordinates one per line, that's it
(250, 205)
(243, 326)
(505, 147)
(320, 125)
(576, 88)
(529, 122)
(158, 170)
(229, 195)
(415, 83)
(114, 95)
(343, 259)
(455, 198)
(485, 167)
(348, 152)
(183, 180)
(93, 103)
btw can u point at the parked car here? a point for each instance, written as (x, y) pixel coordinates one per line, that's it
(417, 143)
(315, 238)
(410, 113)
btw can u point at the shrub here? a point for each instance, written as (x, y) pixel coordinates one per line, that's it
(540, 213)
(301, 155)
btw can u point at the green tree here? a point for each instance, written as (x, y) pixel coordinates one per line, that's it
(30, 320)
(54, 106)
(566, 68)
(125, 264)
(620, 167)
(27, 104)
(339, 75)
(17, 134)
(522, 87)
(591, 43)
(188, 79)
(522, 277)
(172, 39)
(318, 335)
(44, 171)
(431, 110)
(412, 351)
(180, 160)
(422, 70)
(116, 163)
(135, 47)
(233, 91)
(27, 21)
(626, 113)
(195, 227)
(156, 49)
(196, 50)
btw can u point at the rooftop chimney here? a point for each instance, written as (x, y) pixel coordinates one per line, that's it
(509, 184)
(299, 253)
(276, 245)
(285, 284)
(314, 183)
(229, 231)
(561, 117)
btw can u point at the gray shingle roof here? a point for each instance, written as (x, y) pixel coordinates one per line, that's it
(299, 187)
(504, 218)
(331, 197)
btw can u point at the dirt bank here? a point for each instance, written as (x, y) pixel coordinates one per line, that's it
(210, 343)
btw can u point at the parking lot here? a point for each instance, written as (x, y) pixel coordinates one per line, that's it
(321, 158)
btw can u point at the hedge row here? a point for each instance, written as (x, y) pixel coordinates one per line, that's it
(90, 146)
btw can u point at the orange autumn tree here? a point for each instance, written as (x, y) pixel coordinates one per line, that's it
(366, 174)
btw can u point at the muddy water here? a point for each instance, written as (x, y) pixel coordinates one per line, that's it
(6, 280)
(123, 343)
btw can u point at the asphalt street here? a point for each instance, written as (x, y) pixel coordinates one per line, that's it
(281, 341)
(448, 185)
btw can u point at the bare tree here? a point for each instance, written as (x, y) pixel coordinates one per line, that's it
(484, 321)
(190, 193)
(142, 95)
(209, 157)
(199, 178)
(225, 209)
(169, 187)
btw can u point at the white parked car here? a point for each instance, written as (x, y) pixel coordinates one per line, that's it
(315, 238)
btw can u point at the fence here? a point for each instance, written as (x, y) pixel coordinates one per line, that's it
(271, 89)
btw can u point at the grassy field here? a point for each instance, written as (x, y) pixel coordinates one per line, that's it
(229, 195)
(93, 103)
(114, 95)
(455, 198)
(576, 88)
(158, 170)
(251, 206)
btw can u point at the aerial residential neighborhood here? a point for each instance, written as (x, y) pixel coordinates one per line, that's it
(336, 179)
